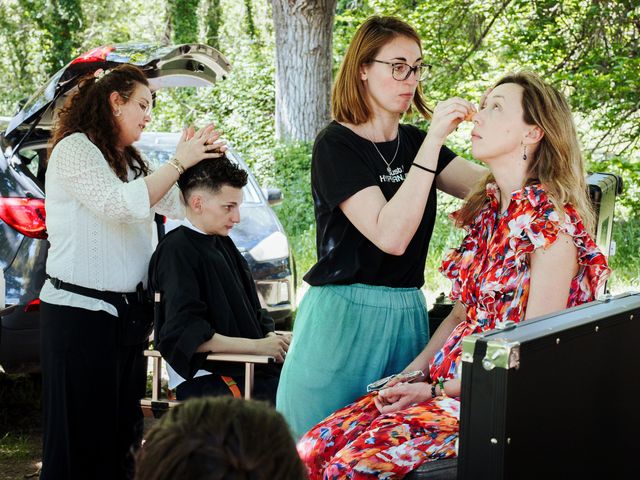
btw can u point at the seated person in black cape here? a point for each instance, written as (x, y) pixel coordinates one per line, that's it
(209, 299)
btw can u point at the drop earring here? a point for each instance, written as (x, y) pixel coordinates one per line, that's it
(524, 153)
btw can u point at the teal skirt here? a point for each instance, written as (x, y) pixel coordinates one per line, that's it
(345, 337)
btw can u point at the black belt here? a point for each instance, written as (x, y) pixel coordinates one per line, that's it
(114, 298)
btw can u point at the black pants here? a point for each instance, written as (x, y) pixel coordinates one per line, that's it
(91, 395)
(264, 387)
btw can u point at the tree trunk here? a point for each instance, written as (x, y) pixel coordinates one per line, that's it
(304, 39)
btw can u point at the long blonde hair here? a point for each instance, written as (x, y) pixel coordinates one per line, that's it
(348, 97)
(557, 163)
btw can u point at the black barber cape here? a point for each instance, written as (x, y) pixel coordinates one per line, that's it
(206, 288)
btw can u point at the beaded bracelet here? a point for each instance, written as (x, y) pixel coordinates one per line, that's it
(433, 390)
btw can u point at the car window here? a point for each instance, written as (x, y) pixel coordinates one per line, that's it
(34, 161)
(158, 156)
(31, 160)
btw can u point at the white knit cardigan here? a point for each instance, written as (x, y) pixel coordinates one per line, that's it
(101, 229)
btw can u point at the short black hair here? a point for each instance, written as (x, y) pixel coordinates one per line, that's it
(212, 174)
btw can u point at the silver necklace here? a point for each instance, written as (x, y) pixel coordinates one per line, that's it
(388, 164)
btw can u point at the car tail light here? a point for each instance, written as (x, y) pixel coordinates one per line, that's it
(26, 215)
(96, 55)
(32, 306)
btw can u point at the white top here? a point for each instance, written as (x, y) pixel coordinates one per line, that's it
(101, 229)
(174, 378)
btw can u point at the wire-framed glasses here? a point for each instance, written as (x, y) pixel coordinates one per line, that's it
(401, 71)
(146, 107)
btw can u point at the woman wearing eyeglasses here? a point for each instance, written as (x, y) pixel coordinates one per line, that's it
(101, 198)
(374, 186)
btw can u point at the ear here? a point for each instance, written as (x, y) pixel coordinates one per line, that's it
(115, 100)
(534, 135)
(363, 72)
(195, 202)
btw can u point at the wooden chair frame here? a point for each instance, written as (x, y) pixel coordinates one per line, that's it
(158, 406)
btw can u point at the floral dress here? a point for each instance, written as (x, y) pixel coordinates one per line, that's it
(491, 273)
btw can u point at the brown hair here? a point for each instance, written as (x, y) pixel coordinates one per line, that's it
(220, 438)
(348, 98)
(557, 162)
(88, 111)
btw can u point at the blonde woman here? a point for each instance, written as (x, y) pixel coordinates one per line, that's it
(528, 252)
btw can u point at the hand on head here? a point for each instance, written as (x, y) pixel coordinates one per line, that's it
(195, 146)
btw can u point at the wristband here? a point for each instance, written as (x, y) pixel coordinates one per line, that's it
(424, 168)
(433, 390)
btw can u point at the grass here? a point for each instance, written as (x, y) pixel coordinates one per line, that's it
(626, 261)
(17, 446)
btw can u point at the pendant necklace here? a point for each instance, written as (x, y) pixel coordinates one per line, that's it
(388, 164)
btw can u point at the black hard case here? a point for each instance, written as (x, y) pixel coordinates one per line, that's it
(554, 397)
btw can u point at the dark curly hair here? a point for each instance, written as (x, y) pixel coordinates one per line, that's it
(212, 174)
(88, 111)
(220, 438)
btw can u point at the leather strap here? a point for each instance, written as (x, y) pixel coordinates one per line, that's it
(110, 297)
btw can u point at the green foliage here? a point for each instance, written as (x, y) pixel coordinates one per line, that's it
(184, 20)
(248, 19)
(626, 261)
(291, 173)
(212, 17)
(17, 446)
(64, 21)
(23, 52)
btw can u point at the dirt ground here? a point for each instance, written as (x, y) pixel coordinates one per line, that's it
(20, 426)
(20, 454)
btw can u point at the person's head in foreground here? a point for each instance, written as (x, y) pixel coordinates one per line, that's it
(212, 190)
(525, 133)
(220, 438)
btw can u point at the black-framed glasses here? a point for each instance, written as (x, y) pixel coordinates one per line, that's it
(401, 71)
(143, 105)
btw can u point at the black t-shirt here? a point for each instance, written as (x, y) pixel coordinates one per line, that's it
(343, 163)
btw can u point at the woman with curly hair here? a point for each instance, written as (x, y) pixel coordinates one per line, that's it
(528, 252)
(101, 199)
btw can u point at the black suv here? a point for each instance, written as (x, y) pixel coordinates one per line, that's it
(23, 245)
